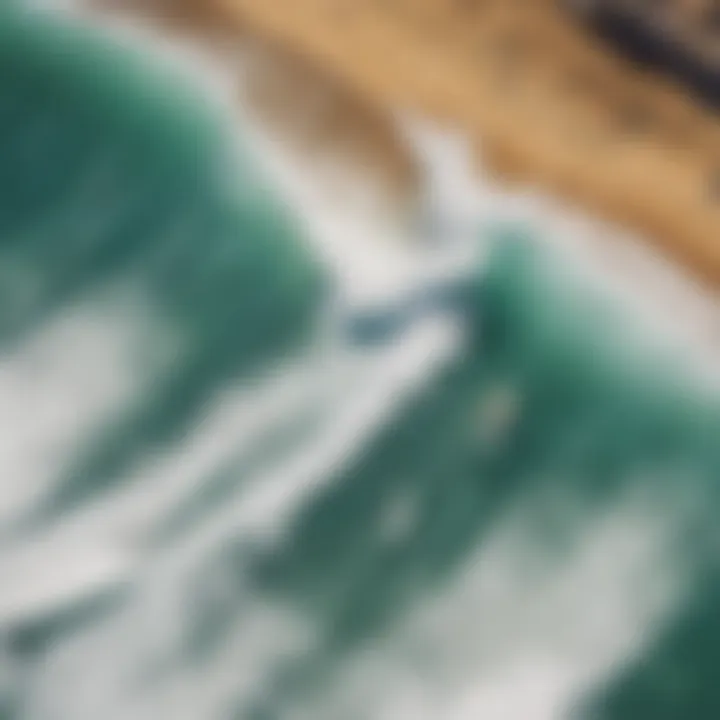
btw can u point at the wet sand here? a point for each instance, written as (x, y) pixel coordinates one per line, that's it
(546, 105)
(545, 102)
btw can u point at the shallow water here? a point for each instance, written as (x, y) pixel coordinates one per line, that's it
(219, 503)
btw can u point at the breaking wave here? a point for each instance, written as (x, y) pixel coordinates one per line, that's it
(259, 461)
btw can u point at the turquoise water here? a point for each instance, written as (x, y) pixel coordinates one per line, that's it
(201, 520)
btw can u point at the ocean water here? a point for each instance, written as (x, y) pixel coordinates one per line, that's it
(259, 463)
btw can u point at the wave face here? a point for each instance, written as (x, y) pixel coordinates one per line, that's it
(219, 503)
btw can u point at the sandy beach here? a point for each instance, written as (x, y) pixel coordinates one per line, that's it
(345, 128)
(544, 102)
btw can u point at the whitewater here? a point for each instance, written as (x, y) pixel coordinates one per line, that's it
(268, 453)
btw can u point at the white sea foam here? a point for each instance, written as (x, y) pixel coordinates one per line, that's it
(513, 637)
(519, 633)
(56, 388)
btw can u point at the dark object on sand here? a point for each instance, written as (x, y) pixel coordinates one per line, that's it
(678, 37)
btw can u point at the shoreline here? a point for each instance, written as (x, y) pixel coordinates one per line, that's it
(567, 127)
(614, 260)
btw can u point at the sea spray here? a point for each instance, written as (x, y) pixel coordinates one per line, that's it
(495, 510)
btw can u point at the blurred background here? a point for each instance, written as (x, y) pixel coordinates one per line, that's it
(339, 386)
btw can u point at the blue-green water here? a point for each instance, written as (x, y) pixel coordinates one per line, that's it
(216, 507)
